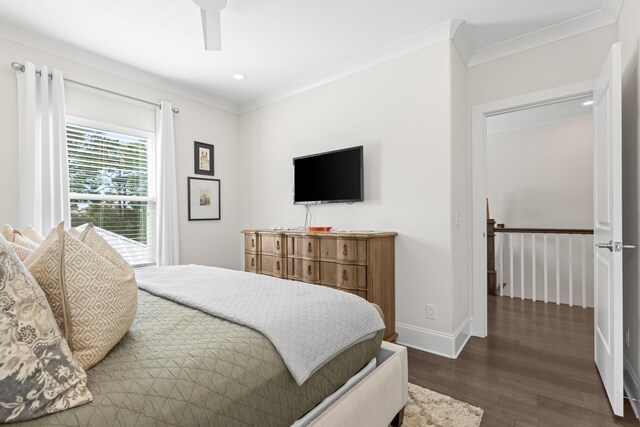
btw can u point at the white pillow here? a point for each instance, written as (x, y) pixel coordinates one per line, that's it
(30, 233)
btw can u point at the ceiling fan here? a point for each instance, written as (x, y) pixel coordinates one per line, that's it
(210, 11)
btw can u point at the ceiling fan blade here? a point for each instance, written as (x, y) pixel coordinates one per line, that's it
(211, 29)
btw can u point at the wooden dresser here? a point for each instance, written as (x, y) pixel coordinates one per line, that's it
(361, 263)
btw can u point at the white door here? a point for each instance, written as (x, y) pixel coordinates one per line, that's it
(607, 228)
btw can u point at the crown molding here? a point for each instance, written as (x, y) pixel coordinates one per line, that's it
(606, 16)
(395, 50)
(19, 35)
(462, 41)
(613, 8)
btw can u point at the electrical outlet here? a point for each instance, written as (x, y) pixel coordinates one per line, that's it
(431, 311)
(457, 218)
(626, 336)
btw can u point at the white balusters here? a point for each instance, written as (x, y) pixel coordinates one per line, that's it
(500, 263)
(508, 271)
(511, 265)
(533, 266)
(570, 271)
(522, 266)
(558, 269)
(546, 287)
(584, 273)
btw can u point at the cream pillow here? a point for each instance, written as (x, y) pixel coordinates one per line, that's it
(7, 232)
(38, 374)
(13, 235)
(30, 233)
(94, 298)
(19, 239)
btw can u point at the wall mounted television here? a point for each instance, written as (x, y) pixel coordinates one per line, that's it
(330, 177)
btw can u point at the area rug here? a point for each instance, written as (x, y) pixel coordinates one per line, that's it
(428, 408)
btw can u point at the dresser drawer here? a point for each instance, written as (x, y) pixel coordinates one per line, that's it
(251, 262)
(344, 249)
(352, 276)
(272, 244)
(305, 247)
(352, 250)
(251, 242)
(272, 265)
(310, 271)
(345, 276)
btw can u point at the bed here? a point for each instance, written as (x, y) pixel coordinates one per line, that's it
(180, 366)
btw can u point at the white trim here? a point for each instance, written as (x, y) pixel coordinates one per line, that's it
(461, 337)
(18, 34)
(424, 39)
(631, 387)
(462, 41)
(110, 127)
(442, 344)
(562, 30)
(479, 114)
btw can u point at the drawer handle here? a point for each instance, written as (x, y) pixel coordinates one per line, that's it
(253, 243)
(309, 270)
(278, 245)
(253, 262)
(344, 275)
(278, 265)
(344, 250)
(309, 249)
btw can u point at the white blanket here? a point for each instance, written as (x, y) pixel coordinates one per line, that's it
(308, 324)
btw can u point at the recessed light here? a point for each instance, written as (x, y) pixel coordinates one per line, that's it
(587, 103)
(239, 76)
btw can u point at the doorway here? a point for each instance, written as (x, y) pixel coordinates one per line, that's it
(540, 203)
(480, 114)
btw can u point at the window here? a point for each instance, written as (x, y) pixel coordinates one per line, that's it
(112, 185)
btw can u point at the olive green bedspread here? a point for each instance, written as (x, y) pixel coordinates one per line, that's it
(179, 366)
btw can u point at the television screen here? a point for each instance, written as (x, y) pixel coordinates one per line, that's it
(331, 177)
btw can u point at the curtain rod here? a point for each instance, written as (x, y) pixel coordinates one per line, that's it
(20, 67)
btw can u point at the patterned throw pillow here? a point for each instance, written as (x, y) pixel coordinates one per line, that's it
(15, 236)
(94, 298)
(22, 252)
(38, 374)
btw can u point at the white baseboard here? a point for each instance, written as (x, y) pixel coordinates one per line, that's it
(631, 386)
(447, 345)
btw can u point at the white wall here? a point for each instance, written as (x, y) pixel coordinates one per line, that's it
(203, 242)
(401, 112)
(542, 177)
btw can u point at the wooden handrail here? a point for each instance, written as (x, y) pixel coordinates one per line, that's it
(544, 230)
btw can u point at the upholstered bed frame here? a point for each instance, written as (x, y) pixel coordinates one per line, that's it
(377, 400)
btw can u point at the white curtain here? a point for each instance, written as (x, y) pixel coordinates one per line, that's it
(43, 172)
(167, 245)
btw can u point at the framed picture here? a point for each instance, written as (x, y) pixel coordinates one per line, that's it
(203, 158)
(204, 198)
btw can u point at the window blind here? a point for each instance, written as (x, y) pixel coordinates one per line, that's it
(111, 185)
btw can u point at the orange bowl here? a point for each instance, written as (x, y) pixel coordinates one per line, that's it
(319, 228)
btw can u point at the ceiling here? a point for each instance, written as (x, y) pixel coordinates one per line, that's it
(286, 46)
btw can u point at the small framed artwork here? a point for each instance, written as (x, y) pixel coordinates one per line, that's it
(203, 158)
(204, 198)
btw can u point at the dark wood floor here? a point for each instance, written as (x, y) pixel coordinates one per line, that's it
(535, 368)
